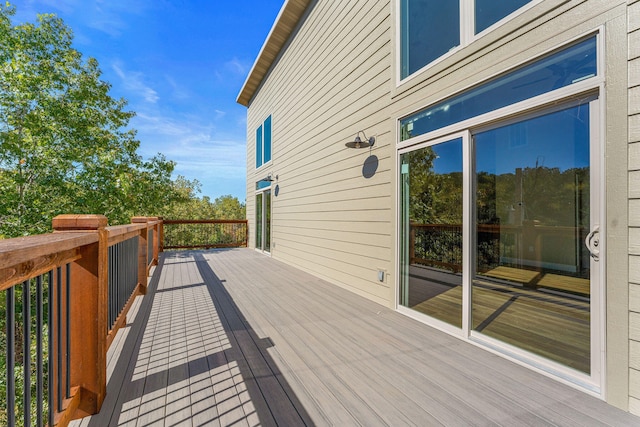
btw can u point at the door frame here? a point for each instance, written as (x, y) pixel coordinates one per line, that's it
(263, 223)
(593, 383)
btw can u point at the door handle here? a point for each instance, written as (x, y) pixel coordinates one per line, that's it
(592, 242)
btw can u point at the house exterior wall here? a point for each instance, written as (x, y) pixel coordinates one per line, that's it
(633, 28)
(332, 81)
(337, 75)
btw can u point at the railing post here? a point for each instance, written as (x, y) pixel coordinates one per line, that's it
(142, 253)
(156, 239)
(88, 312)
(161, 236)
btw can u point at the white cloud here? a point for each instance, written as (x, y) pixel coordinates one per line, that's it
(134, 82)
(237, 66)
(196, 147)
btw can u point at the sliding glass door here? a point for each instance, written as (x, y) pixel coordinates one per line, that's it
(532, 280)
(500, 239)
(263, 220)
(432, 205)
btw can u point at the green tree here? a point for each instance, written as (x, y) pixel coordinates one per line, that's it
(187, 205)
(65, 145)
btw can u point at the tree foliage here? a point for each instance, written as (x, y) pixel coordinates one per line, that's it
(189, 206)
(65, 145)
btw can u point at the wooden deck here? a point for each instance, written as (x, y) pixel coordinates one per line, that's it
(232, 337)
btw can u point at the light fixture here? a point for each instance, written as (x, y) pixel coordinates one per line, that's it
(269, 178)
(359, 143)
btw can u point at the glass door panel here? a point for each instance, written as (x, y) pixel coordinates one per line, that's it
(259, 221)
(532, 279)
(431, 249)
(267, 221)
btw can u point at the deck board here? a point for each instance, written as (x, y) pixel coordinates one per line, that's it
(231, 337)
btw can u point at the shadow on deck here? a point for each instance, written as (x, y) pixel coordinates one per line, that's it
(193, 359)
(231, 337)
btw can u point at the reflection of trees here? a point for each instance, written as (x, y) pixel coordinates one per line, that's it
(434, 198)
(545, 195)
(541, 204)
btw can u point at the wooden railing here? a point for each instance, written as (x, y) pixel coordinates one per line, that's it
(439, 245)
(204, 234)
(67, 293)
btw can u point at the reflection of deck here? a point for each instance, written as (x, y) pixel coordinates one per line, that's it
(553, 326)
(529, 278)
(231, 337)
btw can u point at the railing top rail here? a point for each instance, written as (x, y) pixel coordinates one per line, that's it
(23, 249)
(148, 220)
(498, 227)
(206, 221)
(118, 233)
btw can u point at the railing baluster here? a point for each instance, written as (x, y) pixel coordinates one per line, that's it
(11, 353)
(59, 336)
(50, 400)
(192, 234)
(123, 276)
(26, 351)
(39, 353)
(68, 332)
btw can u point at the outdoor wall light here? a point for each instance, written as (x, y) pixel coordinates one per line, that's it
(359, 143)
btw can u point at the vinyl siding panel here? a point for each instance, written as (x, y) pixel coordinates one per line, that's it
(331, 81)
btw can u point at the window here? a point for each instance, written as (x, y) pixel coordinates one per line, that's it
(263, 143)
(488, 12)
(563, 68)
(431, 28)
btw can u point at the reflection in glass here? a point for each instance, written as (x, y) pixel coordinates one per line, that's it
(430, 28)
(561, 69)
(432, 236)
(488, 12)
(259, 221)
(531, 287)
(267, 223)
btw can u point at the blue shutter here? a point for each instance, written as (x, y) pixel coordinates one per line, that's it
(267, 140)
(259, 147)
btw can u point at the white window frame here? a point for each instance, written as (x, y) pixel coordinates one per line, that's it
(467, 36)
(262, 162)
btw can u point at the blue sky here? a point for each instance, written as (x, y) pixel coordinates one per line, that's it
(181, 65)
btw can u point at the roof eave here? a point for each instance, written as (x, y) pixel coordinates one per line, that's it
(283, 27)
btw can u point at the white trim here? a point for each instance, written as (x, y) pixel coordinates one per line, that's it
(583, 88)
(575, 379)
(467, 34)
(599, 114)
(431, 321)
(575, 88)
(261, 125)
(467, 10)
(465, 136)
(501, 22)
(262, 192)
(468, 258)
